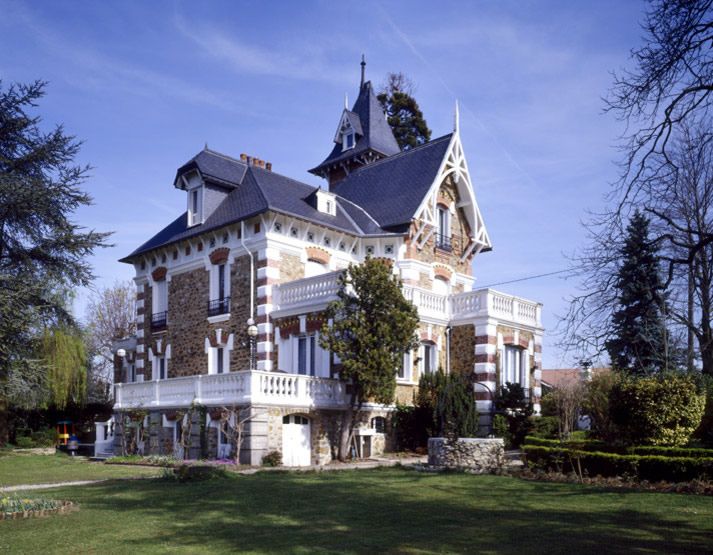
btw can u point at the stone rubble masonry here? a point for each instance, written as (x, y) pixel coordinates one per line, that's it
(463, 356)
(480, 456)
(460, 231)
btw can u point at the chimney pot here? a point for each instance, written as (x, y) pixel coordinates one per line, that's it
(243, 157)
(268, 166)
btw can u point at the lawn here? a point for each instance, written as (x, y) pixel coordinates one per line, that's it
(39, 469)
(364, 511)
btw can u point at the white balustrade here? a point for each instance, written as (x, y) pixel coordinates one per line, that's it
(235, 388)
(305, 292)
(315, 292)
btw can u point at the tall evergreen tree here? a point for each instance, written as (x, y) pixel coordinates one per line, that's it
(637, 341)
(42, 251)
(373, 326)
(402, 112)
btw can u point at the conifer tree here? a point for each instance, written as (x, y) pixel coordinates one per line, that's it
(403, 113)
(373, 326)
(42, 250)
(637, 341)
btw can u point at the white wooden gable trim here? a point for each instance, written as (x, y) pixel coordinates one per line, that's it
(454, 163)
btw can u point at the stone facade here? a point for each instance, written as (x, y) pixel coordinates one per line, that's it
(480, 456)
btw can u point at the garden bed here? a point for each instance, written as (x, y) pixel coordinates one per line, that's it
(14, 507)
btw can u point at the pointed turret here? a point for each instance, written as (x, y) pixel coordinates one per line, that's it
(363, 136)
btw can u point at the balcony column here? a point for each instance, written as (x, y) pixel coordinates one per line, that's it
(199, 388)
(117, 394)
(157, 393)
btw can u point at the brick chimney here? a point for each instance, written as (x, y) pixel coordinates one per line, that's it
(255, 161)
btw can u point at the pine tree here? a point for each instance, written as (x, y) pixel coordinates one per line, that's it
(373, 326)
(638, 337)
(43, 253)
(402, 111)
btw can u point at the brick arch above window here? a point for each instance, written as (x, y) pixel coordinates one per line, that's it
(159, 274)
(442, 272)
(316, 254)
(219, 256)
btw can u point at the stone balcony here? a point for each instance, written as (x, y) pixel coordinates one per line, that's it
(235, 388)
(314, 293)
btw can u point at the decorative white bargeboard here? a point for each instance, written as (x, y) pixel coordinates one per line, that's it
(235, 388)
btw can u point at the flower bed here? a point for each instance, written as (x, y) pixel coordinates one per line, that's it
(150, 460)
(13, 507)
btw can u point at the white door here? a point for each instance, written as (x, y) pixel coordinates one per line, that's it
(296, 444)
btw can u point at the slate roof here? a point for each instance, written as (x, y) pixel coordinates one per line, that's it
(378, 199)
(391, 189)
(258, 191)
(215, 167)
(375, 133)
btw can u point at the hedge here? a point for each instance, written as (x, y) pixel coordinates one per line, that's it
(596, 445)
(654, 468)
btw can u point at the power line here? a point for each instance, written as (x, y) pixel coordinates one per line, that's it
(525, 278)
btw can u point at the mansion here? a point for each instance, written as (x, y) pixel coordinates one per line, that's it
(231, 294)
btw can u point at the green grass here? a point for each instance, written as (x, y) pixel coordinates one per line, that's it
(46, 469)
(367, 511)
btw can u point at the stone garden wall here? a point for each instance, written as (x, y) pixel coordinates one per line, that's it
(481, 456)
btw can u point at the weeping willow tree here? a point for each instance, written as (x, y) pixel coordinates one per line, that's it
(66, 361)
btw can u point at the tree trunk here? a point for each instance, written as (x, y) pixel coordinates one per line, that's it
(4, 423)
(346, 433)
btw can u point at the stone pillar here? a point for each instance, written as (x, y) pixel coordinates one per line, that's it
(485, 372)
(255, 444)
(155, 423)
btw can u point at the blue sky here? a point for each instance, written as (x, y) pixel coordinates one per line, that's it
(147, 84)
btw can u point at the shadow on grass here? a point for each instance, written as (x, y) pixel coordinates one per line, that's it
(392, 510)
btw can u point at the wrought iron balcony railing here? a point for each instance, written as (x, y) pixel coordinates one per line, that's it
(219, 306)
(158, 321)
(444, 242)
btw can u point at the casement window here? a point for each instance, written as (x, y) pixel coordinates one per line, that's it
(301, 354)
(378, 423)
(219, 301)
(443, 234)
(348, 140)
(514, 368)
(405, 372)
(160, 296)
(195, 201)
(429, 358)
(161, 367)
(218, 352)
(306, 354)
(131, 373)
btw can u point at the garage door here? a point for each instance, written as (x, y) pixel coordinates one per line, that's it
(296, 445)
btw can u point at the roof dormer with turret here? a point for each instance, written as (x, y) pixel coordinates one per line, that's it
(363, 136)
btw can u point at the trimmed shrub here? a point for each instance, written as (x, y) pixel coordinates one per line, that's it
(704, 433)
(273, 458)
(544, 427)
(195, 472)
(511, 403)
(455, 408)
(598, 463)
(663, 410)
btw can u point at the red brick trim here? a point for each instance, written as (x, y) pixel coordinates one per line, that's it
(484, 358)
(538, 348)
(318, 255)
(442, 273)
(219, 256)
(140, 296)
(159, 274)
(524, 343)
(486, 340)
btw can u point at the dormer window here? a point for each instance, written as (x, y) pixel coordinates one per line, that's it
(195, 206)
(326, 203)
(348, 140)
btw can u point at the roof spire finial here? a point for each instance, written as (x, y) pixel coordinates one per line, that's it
(456, 118)
(346, 101)
(363, 70)
(206, 146)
